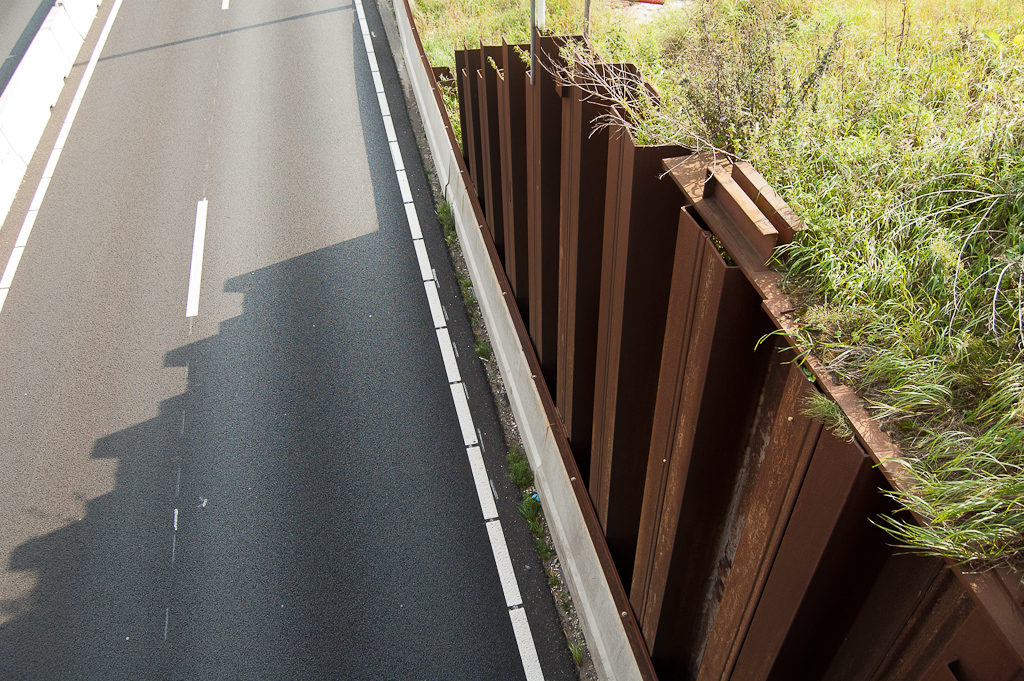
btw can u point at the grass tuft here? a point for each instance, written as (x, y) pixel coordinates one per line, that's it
(576, 650)
(822, 407)
(446, 217)
(519, 471)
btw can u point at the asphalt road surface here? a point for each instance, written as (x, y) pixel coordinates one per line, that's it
(276, 487)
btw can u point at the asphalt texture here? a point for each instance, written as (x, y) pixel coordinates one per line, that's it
(278, 487)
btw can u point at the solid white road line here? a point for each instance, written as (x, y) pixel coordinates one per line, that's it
(224, 4)
(195, 275)
(51, 164)
(460, 396)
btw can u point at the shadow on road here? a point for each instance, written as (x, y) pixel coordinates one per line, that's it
(322, 528)
(304, 510)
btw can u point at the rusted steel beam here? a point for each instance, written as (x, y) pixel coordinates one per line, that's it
(895, 599)
(767, 201)
(469, 100)
(543, 170)
(688, 172)
(581, 235)
(942, 607)
(976, 652)
(488, 77)
(641, 218)
(462, 93)
(512, 116)
(581, 230)
(784, 440)
(698, 445)
(828, 559)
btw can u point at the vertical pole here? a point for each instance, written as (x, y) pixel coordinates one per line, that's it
(533, 39)
(586, 18)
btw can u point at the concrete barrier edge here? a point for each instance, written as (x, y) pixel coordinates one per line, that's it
(34, 88)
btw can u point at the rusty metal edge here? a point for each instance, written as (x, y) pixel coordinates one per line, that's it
(631, 628)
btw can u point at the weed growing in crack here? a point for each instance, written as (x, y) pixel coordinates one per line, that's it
(519, 470)
(576, 650)
(819, 406)
(529, 507)
(483, 348)
(446, 217)
(543, 550)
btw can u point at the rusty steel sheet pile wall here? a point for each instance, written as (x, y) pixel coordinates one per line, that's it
(736, 532)
(512, 120)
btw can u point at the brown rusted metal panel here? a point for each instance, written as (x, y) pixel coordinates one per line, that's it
(698, 274)
(512, 115)
(462, 92)
(441, 73)
(543, 171)
(902, 584)
(469, 84)
(767, 200)
(999, 595)
(941, 610)
(641, 222)
(976, 653)
(581, 234)
(697, 445)
(784, 442)
(490, 145)
(829, 557)
(744, 214)
(581, 224)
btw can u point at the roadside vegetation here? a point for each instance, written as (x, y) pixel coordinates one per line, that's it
(896, 131)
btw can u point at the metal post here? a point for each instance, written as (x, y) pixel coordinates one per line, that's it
(533, 38)
(586, 18)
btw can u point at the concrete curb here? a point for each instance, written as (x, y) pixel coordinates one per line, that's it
(601, 621)
(34, 88)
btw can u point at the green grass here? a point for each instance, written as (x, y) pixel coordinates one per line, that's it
(482, 348)
(543, 550)
(831, 414)
(896, 131)
(576, 650)
(447, 220)
(519, 471)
